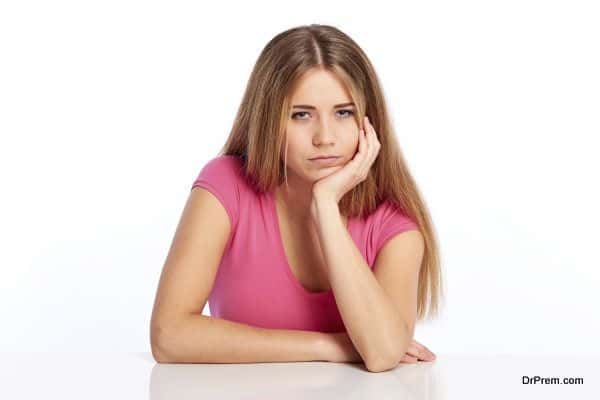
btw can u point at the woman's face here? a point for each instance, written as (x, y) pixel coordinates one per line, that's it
(321, 122)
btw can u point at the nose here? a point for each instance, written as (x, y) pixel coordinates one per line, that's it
(324, 134)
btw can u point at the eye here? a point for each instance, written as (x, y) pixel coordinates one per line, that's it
(348, 113)
(296, 113)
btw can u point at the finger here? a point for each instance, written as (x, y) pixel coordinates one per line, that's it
(413, 351)
(407, 358)
(362, 151)
(427, 356)
(416, 350)
(422, 347)
(361, 145)
(373, 143)
(428, 353)
(366, 161)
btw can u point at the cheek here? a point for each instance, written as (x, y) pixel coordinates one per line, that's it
(297, 153)
(354, 143)
(299, 143)
(294, 148)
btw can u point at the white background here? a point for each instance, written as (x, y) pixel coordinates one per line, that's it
(109, 109)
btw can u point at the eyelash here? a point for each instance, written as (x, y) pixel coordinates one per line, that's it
(350, 112)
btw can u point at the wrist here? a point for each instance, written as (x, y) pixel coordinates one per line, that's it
(323, 197)
(322, 203)
(325, 347)
(338, 347)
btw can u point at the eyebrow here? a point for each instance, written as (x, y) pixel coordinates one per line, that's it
(314, 108)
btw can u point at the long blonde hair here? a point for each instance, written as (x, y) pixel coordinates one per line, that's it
(258, 134)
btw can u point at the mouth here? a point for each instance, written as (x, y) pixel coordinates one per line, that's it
(325, 161)
(324, 158)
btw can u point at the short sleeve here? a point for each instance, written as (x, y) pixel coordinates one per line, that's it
(220, 176)
(389, 223)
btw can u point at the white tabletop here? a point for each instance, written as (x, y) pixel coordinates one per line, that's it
(137, 376)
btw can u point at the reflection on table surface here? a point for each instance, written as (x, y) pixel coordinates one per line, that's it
(138, 376)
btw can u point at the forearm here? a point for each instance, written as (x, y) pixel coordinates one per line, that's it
(371, 320)
(205, 339)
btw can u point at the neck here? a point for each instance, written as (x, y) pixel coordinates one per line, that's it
(295, 200)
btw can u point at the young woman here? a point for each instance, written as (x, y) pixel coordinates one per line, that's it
(307, 233)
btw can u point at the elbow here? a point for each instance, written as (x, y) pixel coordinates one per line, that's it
(387, 359)
(383, 361)
(390, 350)
(381, 364)
(158, 355)
(157, 345)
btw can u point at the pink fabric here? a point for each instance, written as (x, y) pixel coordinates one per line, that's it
(254, 284)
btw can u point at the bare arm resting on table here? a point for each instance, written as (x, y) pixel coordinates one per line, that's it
(204, 339)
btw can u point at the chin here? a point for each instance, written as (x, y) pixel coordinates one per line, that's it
(325, 171)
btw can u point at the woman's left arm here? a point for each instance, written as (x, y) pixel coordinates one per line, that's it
(373, 323)
(380, 329)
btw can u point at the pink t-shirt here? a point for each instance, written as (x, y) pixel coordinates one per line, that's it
(254, 284)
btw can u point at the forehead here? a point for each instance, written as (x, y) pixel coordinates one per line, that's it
(320, 88)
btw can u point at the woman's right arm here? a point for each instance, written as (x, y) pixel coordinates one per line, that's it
(204, 339)
(179, 333)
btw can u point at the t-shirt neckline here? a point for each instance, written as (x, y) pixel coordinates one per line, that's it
(283, 257)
